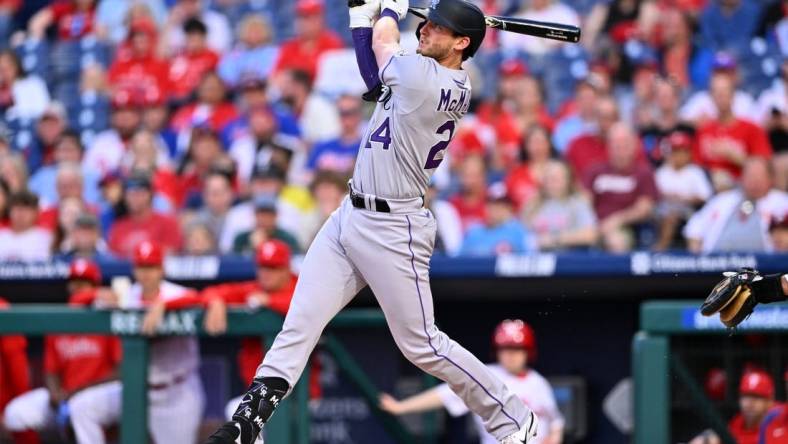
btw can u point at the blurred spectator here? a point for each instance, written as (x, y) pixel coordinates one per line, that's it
(85, 240)
(620, 21)
(470, 201)
(69, 184)
(728, 25)
(726, 142)
(23, 240)
(253, 56)
(328, 189)
(523, 180)
(773, 112)
(265, 228)
(147, 153)
(74, 19)
(683, 187)
(312, 39)
(90, 114)
(189, 66)
(676, 44)
(199, 240)
(8, 8)
(66, 214)
(778, 231)
(542, 10)
(219, 33)
(68, 149)
(588, 149)
(317, 117)
(448, 238)
(211, 108)
(501, 232)
(529, 110)
(112, 16)
(339, 155)
(111, 204)
(560, 217)
(205, 152)
(142, 223)
(156, 119)
(665, 119)
(580, 121)
(5, 194)
(13, 172)
(264, 145)
(108, 149)
(49, 128)
(738, 219)
(637, 105)
(137, 70)
(217, 199)
(22, 96)
(252, 94)
(622, 189)
(701, 106)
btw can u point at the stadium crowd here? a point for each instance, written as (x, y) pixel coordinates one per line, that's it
(209, 126)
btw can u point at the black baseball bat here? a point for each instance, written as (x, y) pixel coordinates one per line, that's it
(553, 31)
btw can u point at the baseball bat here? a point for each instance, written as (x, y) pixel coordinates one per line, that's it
(553, 31)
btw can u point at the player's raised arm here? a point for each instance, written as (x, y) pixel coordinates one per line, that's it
(385, 34)
(363, 14)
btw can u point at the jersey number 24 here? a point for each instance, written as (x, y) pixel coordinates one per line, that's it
(383, 135)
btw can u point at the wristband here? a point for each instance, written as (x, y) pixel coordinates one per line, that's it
(769, 289)
(389, 13)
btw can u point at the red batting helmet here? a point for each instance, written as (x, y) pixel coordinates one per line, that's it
(148, 254)
(273, 253)
(514, 333)
(86, 270)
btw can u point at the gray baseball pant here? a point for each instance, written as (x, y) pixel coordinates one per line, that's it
(390, 252)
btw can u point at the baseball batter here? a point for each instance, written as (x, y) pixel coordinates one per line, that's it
(382, 235)
(515, 346)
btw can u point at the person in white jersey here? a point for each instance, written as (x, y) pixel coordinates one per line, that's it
(175, 393)
(514, 342)
(381, 236)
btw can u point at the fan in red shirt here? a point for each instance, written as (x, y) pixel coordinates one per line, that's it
(588, 149)
(142, 223)
(72, 363)
(471, 201)
(211, 109)
(14, 376)
(756, 398)
(312, 40)
(524, 180)
(725, 143)
(196, 59)
(136, 66)
(273, 289)
(74, 19)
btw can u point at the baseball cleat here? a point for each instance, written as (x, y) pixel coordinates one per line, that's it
(526, 433)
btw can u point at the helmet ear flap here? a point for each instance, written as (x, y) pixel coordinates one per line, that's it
(418, 29)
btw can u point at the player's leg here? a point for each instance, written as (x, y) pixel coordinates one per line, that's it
(327, 282)
(393, 256)
(29, 411)
(175, 412)
(93, 409)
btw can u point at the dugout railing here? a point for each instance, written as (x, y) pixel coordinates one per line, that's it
(673, 339)
(290, 425)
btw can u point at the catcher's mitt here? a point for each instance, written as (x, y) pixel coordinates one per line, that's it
(736, 296)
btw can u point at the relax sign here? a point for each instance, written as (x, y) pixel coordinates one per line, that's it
(174, 323)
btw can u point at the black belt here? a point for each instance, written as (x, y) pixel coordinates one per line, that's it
(358, 201)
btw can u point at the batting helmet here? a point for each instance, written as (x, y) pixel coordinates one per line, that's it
(462, 17)
(514, 333)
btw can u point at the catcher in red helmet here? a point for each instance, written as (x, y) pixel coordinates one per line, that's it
(514, 344)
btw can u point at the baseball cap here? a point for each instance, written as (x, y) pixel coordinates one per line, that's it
(251, 82)
(138, 180)
(86, 220)
(109, 177)
(273, 253)
(84, 269)
(757, 383)
(497, 192)
(309, 7)
(513, 67)
(126, 99)
(142, 26)
(148, 254)
(269, 172)
(723, 62)
(679, 140)
(779, 222)
(265, 202)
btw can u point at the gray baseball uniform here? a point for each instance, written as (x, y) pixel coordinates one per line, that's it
(390, 251)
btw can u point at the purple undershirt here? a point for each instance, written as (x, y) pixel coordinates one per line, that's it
(365, 57)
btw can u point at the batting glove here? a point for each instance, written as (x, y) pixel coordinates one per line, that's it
(400, 7)
(363, 13)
